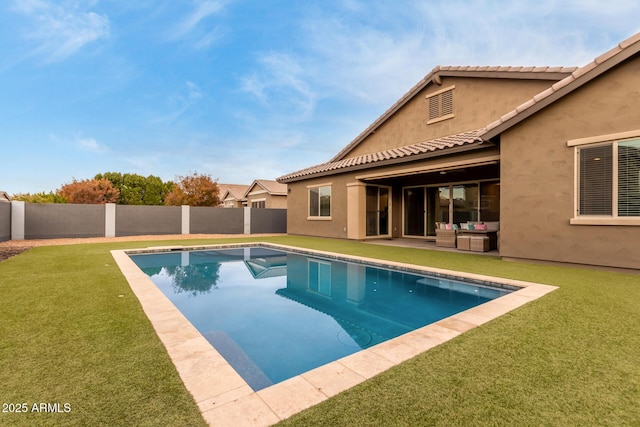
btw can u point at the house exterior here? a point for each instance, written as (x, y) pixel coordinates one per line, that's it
(263, 193)
(232, 195)
(552, 154)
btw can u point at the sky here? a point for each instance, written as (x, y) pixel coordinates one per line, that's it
(247, 89)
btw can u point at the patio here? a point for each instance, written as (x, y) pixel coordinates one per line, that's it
(405, 242)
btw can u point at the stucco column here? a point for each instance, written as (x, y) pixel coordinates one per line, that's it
(356, 210)
(186, 219)
(17, 220)
(110, 220)
(247, 220)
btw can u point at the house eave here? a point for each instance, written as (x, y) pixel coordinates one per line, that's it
(434, 77)
(392, 162)
(575, 80)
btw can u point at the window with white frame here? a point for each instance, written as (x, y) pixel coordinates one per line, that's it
(260, 204)
(608, 177)
(320, 201)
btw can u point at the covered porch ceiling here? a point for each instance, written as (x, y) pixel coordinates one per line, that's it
(478, 169)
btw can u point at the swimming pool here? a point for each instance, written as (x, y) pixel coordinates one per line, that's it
(274, 314)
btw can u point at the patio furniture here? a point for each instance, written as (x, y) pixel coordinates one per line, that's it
(491, 235)
(446, 238)
(479, 243)
(463, 243)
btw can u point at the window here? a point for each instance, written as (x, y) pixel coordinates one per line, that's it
(608, 179)
(629, 178)
(258, 204)
(320, 202)
(320, 277)
(440, 105)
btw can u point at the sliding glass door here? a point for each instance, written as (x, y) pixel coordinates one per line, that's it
(465, 203)
(424, 206)
(377, 207)
(415, 211)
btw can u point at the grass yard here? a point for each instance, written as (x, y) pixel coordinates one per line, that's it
(71, 331)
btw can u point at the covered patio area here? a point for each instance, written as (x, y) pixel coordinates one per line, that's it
(430, 244)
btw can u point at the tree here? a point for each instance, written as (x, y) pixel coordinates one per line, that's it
(41, 197)
(136, 189)
(193, 190)
(92, 191)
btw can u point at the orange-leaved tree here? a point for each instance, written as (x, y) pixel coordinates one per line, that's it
(193, 190)
(93, 191)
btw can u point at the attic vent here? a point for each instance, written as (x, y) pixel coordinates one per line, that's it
(440, 105)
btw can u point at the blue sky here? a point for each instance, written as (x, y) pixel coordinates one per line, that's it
(246, 89)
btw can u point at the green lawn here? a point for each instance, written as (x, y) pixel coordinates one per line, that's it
(71, 331)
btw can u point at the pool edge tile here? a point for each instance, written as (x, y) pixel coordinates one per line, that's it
(249, 410)
(291, 396)
(333, 378)
(366, 363)
(235, 403)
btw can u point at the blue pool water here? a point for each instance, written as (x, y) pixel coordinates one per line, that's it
(274, 315)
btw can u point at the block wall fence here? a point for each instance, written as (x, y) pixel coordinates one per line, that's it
(25, 221)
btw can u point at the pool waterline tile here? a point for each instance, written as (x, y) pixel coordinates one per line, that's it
(224, 398)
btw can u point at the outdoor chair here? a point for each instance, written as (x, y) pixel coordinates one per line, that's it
(446, 237)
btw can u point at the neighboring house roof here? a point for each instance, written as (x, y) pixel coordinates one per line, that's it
(434, 77)
(4, 197)
(392, 155)
(232, 191)
(272, 187)
(573, 79)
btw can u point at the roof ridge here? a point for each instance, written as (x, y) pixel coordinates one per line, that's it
(433, 75)
(576, 77)
(507, 68)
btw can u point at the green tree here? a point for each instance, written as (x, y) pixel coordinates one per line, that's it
(194, 190)
(136, 189)
(40, 197)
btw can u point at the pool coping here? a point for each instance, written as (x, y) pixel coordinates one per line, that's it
(225, 399)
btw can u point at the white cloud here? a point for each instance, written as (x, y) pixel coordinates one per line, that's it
(281, 83)
(194, 91)
(91, 145)
(179, 103)
(365, 55)
(194, 27)
(59, 31)
(368, 52)
(202, 10)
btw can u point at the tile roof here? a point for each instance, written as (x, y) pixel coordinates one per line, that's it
(513, 72)
(573, 77)
(235, 190)
(425, 147)
(272, 187)
(508, 69)
(573, 81)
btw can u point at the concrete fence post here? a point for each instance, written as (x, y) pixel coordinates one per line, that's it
(247, 220)
(186, 219)
(17, 220)
(110, 220)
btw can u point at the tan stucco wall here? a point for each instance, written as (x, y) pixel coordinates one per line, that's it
(297, 209)
(271, 201)
(276, 202)
(476, 103)
(537, 175)
(340, 225)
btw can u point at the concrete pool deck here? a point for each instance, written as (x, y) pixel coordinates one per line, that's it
(225, 399)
